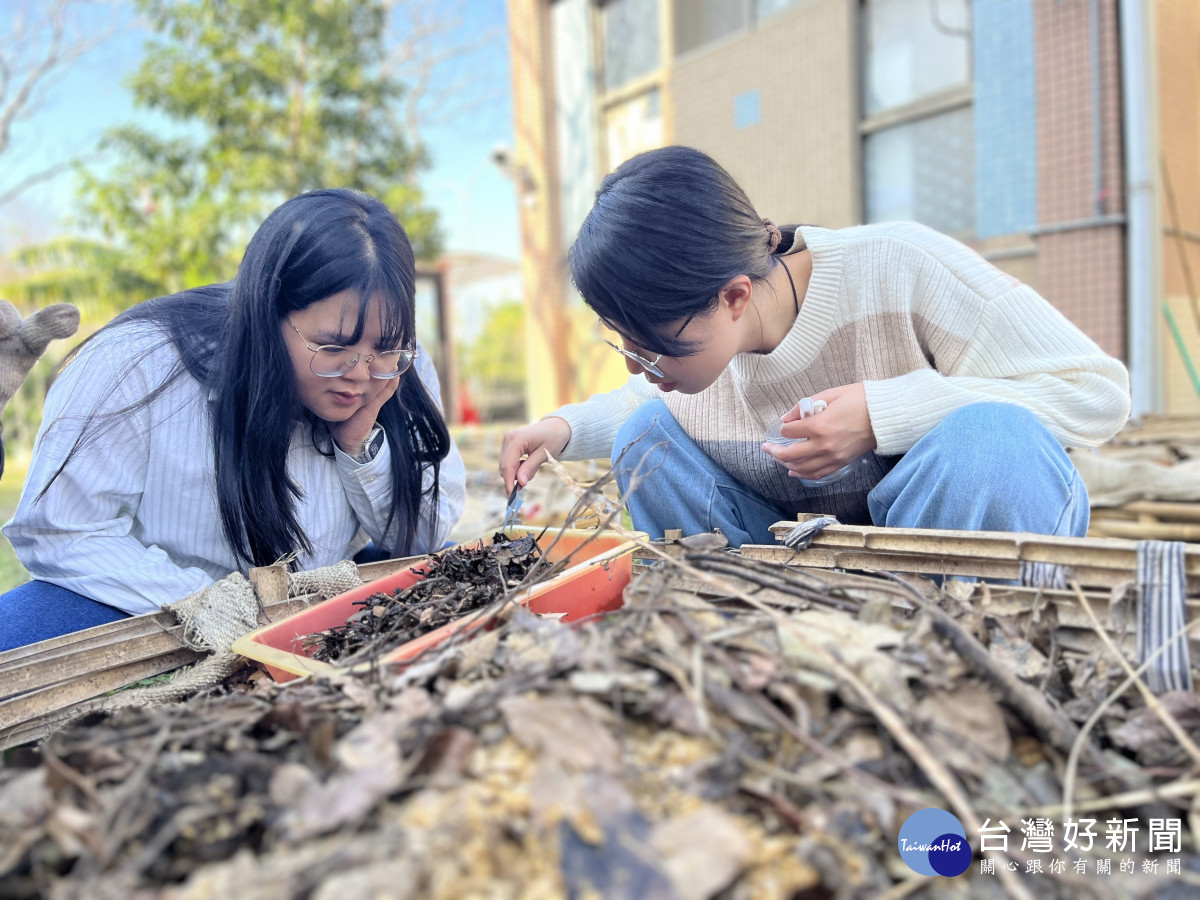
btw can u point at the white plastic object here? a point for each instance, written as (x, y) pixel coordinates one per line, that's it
(810, 407)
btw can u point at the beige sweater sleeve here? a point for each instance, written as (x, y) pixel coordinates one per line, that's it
(595, 422)
(1021, 350)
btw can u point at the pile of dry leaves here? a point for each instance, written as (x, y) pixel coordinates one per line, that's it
(739, 729)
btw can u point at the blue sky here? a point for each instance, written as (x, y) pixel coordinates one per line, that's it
(477, 204)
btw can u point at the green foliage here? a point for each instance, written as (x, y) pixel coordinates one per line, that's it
(262, 100)
(497, 357)
(93, 276)
(12, 573)
(270, 98)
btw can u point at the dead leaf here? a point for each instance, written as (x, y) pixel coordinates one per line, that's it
(1018, 655)
(290, 783)
(702, 852)
(447, 756)
(564, 730)
(1145, 735)
(967, 727)
(395, 880)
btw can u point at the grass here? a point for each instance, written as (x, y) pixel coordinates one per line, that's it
(12, 572)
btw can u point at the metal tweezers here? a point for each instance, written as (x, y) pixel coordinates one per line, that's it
(515, 499)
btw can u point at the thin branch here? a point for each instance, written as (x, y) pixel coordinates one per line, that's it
(46, 174)
(1133, 677)
(58, 51)
(433, 39)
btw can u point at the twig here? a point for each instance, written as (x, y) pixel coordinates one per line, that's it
(1054, 729)
(1152, 701)
(1188, 787)
(1134, 678)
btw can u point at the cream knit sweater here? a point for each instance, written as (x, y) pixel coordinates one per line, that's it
(924, 322)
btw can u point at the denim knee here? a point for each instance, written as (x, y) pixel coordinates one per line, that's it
(639, 424)
(1002, 436)
(645, 424)
(988, 466)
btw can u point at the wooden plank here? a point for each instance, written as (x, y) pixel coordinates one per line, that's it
(134, 626)
(38, 705)
(930, 566)
(1148, 531)
(1110, 553)
(270, 583)
(1161, 509)
(61, 664)
(870, 560)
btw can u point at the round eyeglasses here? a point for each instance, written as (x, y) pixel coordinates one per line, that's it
(651, 366)
(333, 360)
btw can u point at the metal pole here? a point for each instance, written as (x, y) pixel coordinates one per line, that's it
(1137, 104)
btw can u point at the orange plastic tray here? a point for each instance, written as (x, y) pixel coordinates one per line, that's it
(594, 584)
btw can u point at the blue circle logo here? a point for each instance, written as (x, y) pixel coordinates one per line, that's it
(933, 842)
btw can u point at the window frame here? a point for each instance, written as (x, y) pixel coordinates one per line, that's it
(927, 107)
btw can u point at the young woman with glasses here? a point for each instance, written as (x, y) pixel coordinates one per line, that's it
(281, 415)
(945, 389)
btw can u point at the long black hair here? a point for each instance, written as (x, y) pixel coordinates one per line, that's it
(668, 230)
(228, 336)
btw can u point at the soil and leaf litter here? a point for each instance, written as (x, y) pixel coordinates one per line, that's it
(762, 732)
(736, 730)
(458, 581)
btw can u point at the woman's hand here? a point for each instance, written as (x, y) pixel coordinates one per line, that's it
(834, 437)
(352, 434)
(550, 435)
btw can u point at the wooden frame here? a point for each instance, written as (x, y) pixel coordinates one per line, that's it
(42, 684)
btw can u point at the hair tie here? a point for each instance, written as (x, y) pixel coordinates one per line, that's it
(774, 235)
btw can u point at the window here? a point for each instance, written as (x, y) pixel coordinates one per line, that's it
(632, 47)
(915, 49)
(924, 172)
(632, 126)
(918, 134)
(700, 22)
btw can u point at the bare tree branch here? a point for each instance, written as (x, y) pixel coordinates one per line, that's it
(442, 62)
(44, 41)
(11, 193)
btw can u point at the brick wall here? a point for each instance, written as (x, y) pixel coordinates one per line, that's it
(1081, 271)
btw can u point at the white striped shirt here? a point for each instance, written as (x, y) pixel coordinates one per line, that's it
(133, 521)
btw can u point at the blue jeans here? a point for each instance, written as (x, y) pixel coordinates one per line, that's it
(37, 611)
(985, 467)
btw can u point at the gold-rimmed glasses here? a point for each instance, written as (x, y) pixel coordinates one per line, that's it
(650, 365)
(332, 360)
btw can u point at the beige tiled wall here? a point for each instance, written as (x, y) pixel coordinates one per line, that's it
(800, 162)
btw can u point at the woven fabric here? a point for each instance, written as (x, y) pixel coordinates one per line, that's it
(215, 617)
(22, 341)
(1162, 591)
(328, 581)
(1045, 575)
